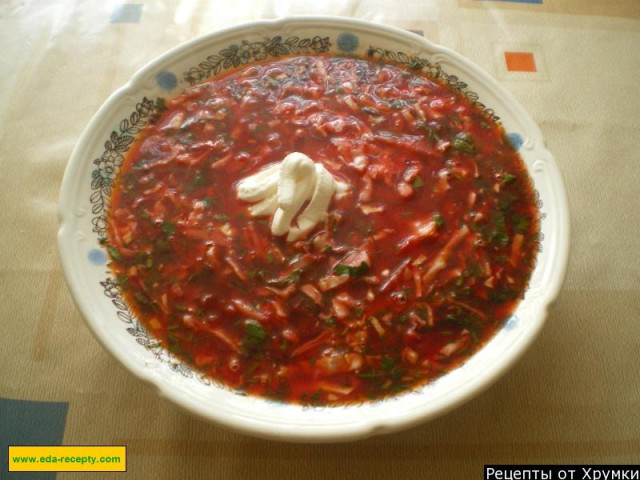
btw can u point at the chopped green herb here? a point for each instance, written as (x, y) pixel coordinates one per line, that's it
(352, 271)
(431, 133)
(115, 254)
(331, 321)
(499, 238)
(417, 182)
(438, 219)
(499, 295)
(387, 363)
(463, 320)
(293, 277)
(398, 103)
(220, 217)
(473, 270)
(162, 245)
(497, 235)
(255, 331)
(144, 301)
(498, 219)
(208, 201)
(508, 178)
(501, 259)
(397, 372)
(521, 223)
(174, 344)
(168, 228)
(506, 200)
(121, 280)
(197, 181)
(463, 142)
(254, 336)
(399, 387)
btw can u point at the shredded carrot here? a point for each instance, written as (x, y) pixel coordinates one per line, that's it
(202, 360)
(245, 308)
(196, 234)
(311, 344)
(333, 388)
(451, 348)
(470, 308)
(440, 261)
(236, 268)
(312, 292)
(418, 282)
(393, 276)
(282, 292)
(422, 230)
(279, 308)
(375, 323)
(410, 355)
(223, 162)
(222, 335)
(516, 247)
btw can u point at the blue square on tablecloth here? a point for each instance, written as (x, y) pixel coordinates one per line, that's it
(515, 1)
(126, 13)
(23, 422)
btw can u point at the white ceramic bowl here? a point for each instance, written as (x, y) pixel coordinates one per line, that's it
(97, 156)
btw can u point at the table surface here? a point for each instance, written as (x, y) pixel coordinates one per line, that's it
(573, 398)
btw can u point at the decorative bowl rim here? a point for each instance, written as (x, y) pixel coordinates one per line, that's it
(318, 431)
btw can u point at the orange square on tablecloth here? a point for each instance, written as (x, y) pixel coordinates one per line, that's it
(520, 61)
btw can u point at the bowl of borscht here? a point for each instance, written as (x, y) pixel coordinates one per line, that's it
(313, 229)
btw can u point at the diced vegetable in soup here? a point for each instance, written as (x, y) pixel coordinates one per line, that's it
(424, 241)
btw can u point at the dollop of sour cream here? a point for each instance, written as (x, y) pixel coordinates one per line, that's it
(282, 188)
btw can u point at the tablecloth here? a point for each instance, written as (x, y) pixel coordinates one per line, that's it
(573, 399)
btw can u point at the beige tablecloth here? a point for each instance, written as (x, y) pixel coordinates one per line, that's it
(573, 398)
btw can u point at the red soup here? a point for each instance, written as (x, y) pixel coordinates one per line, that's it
(411, 271)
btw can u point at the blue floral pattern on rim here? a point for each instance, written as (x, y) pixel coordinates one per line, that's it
(347, 42)
(515, 139)
(511, 323)
(167, 80)
(97, 257)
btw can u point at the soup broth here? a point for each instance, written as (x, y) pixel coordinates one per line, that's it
(412, 269)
